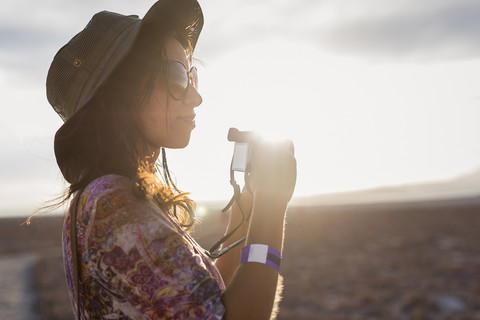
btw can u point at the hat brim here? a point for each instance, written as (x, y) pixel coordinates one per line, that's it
(175, 15)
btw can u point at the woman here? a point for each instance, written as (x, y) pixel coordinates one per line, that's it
(126, 89)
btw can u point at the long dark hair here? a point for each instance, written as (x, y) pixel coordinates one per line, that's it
(106, 136)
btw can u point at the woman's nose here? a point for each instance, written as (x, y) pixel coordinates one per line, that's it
(192, 97)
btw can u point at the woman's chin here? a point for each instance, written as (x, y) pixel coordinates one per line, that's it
(179, 142)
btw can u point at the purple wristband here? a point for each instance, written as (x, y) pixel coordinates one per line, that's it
(261, 253)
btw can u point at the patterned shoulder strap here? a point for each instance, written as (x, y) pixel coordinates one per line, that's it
(73, 244)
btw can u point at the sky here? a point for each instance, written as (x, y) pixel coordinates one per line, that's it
(373, 93)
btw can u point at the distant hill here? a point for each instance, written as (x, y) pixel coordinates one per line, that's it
(464, 186)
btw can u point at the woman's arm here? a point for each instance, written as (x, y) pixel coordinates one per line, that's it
(251, 293)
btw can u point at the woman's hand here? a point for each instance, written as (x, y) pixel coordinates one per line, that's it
(273, 169)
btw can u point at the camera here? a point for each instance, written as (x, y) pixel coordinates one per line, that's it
(241, 150)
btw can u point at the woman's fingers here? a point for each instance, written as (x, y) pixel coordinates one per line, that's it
(273, 168)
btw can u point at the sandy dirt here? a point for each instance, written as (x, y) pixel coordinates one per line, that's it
(417, 261)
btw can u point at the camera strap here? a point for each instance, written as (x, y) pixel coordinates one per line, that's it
(212, 253)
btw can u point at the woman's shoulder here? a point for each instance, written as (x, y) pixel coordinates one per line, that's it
(109, 193)
(110, 201)
(105, 186)
(109, 182)
(112, 196)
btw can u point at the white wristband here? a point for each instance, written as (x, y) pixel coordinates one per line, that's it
(261, 253)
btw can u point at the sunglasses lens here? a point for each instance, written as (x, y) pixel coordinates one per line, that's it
(177, 79)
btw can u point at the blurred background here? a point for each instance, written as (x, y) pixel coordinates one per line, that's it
(381, 100)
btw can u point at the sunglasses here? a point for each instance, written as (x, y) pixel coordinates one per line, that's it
(179, 78)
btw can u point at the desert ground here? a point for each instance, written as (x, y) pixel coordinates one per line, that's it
(407, 260)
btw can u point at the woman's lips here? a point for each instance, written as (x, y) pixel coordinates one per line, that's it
(190, 119)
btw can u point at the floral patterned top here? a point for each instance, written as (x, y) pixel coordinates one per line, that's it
(135, 262)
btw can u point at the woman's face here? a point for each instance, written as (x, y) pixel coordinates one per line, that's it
(170, 126)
